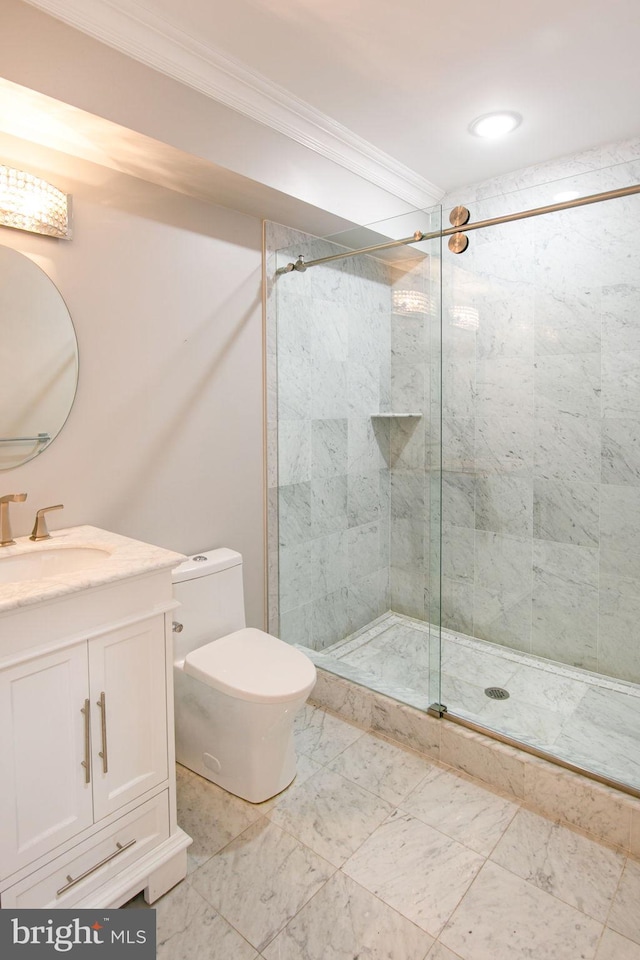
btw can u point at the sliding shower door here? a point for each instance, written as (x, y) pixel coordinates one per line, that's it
(541, 475)
(353, 349)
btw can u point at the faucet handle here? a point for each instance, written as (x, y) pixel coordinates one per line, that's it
(13, 498)
(6, 538)
(40, 531)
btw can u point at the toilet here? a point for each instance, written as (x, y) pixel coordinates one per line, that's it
(237, 689)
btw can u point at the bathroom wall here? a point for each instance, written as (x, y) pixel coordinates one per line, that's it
(164, 441)
(348, 404)
(329, 334)
(413, 307)
(274, 175)
(541, 418)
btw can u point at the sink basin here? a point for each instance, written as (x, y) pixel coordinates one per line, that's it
(52, 562)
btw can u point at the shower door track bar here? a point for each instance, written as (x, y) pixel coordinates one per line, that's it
(418, 237)
(437, 711)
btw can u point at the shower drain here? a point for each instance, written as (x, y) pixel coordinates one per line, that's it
(497, 693)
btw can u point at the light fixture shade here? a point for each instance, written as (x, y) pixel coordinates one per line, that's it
(29, 203)
(467, 318)
(411, 302)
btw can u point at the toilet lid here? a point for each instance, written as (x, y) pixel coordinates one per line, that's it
(252, 665)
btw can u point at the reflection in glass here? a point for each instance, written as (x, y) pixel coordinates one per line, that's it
(38, 359)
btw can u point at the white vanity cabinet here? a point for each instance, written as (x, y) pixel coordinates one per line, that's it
(127, 693)
(44, 798)
(87, 772)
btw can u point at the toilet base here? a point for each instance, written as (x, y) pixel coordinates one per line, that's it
(244, 747)
(232, 785)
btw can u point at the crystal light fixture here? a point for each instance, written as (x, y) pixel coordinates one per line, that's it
(467, 318)
(29, 203)
(411, 302)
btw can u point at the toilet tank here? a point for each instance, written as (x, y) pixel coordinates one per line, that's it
(209, 588)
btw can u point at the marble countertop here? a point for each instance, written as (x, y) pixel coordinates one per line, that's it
(127, 558)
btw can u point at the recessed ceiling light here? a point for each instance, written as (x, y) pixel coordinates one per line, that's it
(492, 125)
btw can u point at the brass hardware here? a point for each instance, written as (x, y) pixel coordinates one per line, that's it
(437, 710)
(86, 763)
(40, 531)
(542, 754)
(71, 881)
(478, 225)
(458, 243)
(103, 723)
(459, 216)
(5, 524)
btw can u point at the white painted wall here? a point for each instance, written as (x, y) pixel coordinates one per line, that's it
(45, 55)
(164, 441)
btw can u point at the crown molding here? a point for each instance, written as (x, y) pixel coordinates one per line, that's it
(136, 31)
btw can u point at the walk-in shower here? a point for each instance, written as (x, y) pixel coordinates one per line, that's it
(454, 458)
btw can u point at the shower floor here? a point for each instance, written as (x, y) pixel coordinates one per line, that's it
(580, 717)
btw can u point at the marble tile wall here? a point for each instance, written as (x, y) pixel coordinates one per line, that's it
(348, 510)
(328, 349)
(541, 418)
(411, 316)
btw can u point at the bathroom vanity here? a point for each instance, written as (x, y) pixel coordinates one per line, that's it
(87, 803)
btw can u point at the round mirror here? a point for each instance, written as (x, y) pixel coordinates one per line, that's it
(38, 360)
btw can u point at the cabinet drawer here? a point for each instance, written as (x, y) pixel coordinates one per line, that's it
(95, 861)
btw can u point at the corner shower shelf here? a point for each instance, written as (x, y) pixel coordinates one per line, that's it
(396, 416)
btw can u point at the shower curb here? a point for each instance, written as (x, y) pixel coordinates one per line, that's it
(604, 813)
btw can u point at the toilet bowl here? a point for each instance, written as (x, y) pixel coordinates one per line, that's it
(237, 689)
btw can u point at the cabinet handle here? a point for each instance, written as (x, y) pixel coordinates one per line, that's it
(86, 763)
(103, 753)
(71, 881)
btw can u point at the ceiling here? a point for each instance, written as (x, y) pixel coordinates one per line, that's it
(408, 77)
(50, 138)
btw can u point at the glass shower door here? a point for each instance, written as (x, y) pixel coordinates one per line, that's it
(354, 469)
(541, 480)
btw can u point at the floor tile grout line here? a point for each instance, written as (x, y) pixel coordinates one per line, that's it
(222, 917)
(404, 749)
(340, 869)
(448, 836)
(302, 844)
(436, 763)
(521, 661)
(455, 955)
(388, 906)
(518, 805)
(554, 895)
(364, 789)
(615, 895)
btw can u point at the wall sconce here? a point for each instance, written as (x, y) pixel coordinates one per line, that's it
(29, 203)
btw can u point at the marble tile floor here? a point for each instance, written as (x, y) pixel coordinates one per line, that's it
(581, 717)
(376, 852)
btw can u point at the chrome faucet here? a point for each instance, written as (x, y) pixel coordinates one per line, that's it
(40, 531)
(5, 525)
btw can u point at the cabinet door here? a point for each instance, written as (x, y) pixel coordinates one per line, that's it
(44, 743)
(127, 671)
